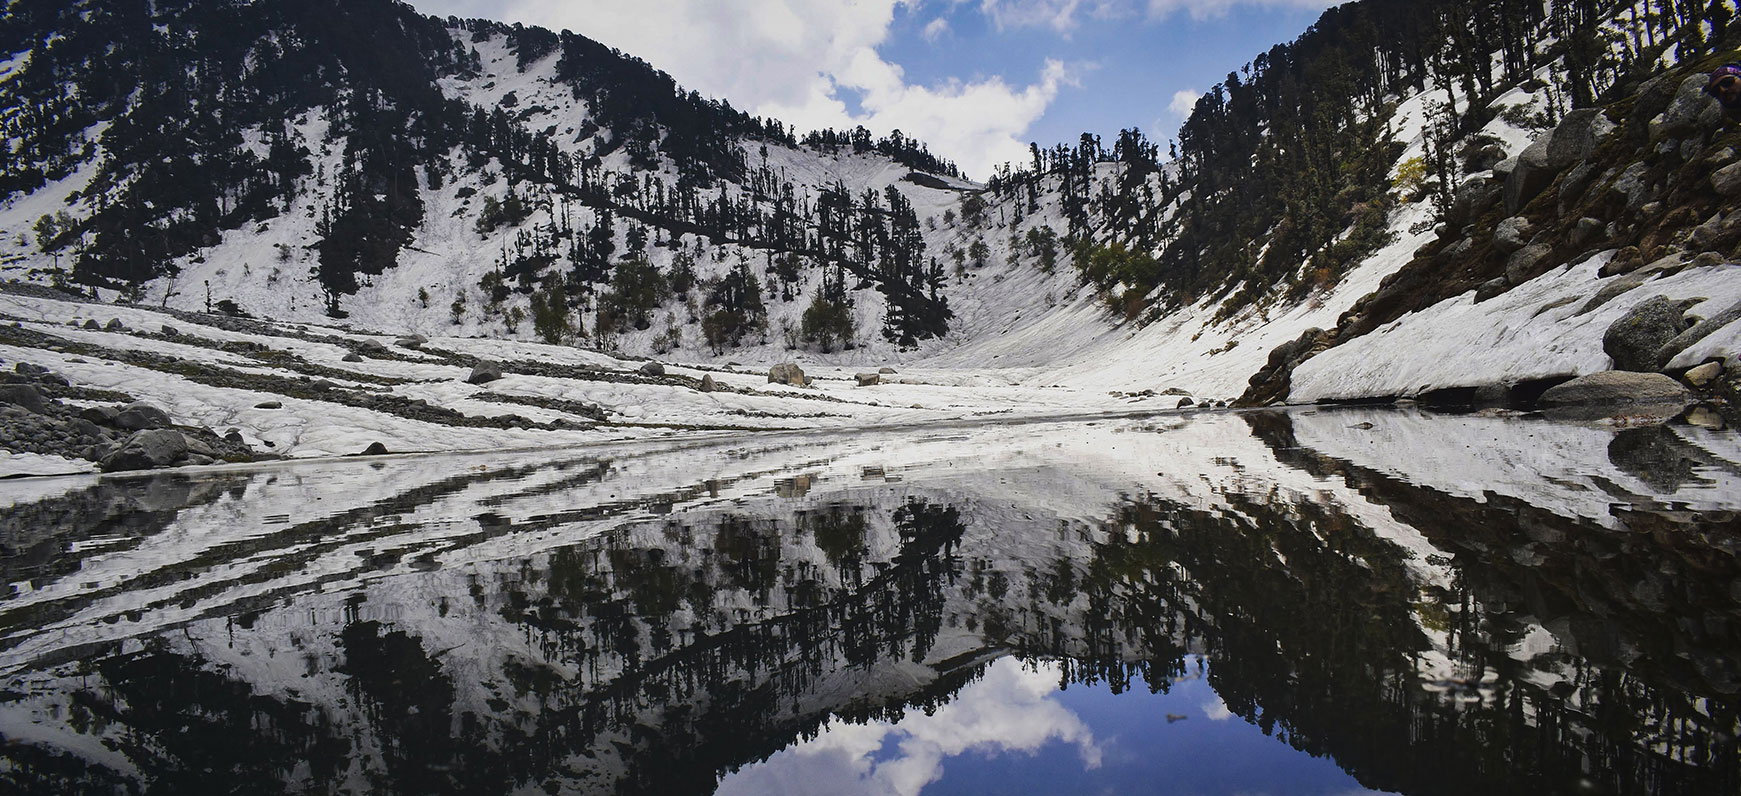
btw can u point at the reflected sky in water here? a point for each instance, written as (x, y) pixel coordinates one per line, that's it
(1014, 729)
(1313, 601)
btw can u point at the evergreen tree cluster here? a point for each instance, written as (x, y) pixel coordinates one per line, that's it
(206, 115)
(1281, 173)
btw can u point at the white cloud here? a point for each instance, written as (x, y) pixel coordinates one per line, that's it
(1010, 710)
(936, 28)
(1065, 15)
(791, 60)
(1206, 9)
(1183, 101)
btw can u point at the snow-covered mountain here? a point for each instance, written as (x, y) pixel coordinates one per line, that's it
(360, 163)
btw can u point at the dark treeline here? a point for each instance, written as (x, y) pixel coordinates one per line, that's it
(1281, 173)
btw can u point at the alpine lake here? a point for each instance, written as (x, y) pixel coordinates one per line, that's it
(1314, 601)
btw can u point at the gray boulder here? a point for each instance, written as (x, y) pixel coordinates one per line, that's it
(885, 369)
(411, 341)
(1697, 332)
(485, 371)
(269, 405)
(787, 373)
(707, 383)
(1690, 110)
(375, 449)
(1512, 234)
(1470, 201)
(1184, 402)
(1727, 180)
(1630, 184)
(147, 449)
(101, 415)
(352, 357)
(1577, 135)
(25, 396)
(868, 379)
(170, 331)
(1529, 176)
(652, 369)
(1525, 263)
(140, 415)
(374, 348)
(1617, 387)
(1633, 340)
(1490, 288)
(92, 324)
(114, 325)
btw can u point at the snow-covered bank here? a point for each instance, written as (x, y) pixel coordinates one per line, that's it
(1539, 329)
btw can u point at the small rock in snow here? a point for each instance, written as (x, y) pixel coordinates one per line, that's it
(485, 371)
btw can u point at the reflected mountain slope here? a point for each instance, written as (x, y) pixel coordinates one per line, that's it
(646, 621)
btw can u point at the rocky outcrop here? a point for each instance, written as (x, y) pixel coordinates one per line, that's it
(26, 396)
(868, 379)
(1652, 175)
(1271, 382)
(652, 369)
(158, 447)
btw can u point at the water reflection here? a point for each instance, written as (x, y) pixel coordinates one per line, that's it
(1435, 604)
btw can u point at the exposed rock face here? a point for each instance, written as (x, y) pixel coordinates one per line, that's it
(26, 396)
(1617, 387)
(141, 415)
(1271, 382)
(146, 449)
(1574, 139)
(787, 373)
(868, 379)
(1697, 332)
(652, 369)
(1633, 340)
(1727, 180)
(1690, 110)
(485, 371)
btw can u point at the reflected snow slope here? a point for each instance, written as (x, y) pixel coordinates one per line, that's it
(1315, 601)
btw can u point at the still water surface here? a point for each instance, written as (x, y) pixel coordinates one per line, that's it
(1314, 602)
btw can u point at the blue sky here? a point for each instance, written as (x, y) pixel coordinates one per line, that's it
(975, 79)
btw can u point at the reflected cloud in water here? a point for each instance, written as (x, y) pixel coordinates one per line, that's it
(1012, 709)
